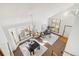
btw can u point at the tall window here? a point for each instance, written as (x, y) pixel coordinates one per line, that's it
(54, 24)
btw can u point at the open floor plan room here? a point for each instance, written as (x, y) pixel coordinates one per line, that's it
(39, 29)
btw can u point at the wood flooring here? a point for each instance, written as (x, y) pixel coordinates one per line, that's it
(57, 48)
(53, 50)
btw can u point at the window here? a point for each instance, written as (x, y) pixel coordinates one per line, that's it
(54, 24)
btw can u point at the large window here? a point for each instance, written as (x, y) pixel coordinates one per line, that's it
(54, 24)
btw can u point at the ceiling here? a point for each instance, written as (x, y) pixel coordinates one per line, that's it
(14, 12)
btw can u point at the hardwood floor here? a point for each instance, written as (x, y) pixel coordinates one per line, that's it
(53, 50)
(57, 48)
(17, 52)
(49, 51)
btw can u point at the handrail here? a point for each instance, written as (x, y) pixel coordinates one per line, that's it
(11, 53)
(23, 41)
(69, 53)
(65, 28)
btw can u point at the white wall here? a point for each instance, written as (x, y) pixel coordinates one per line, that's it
(3, 43)
(18, 13)
(66, 20)
(73, 41)
(41, 15)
